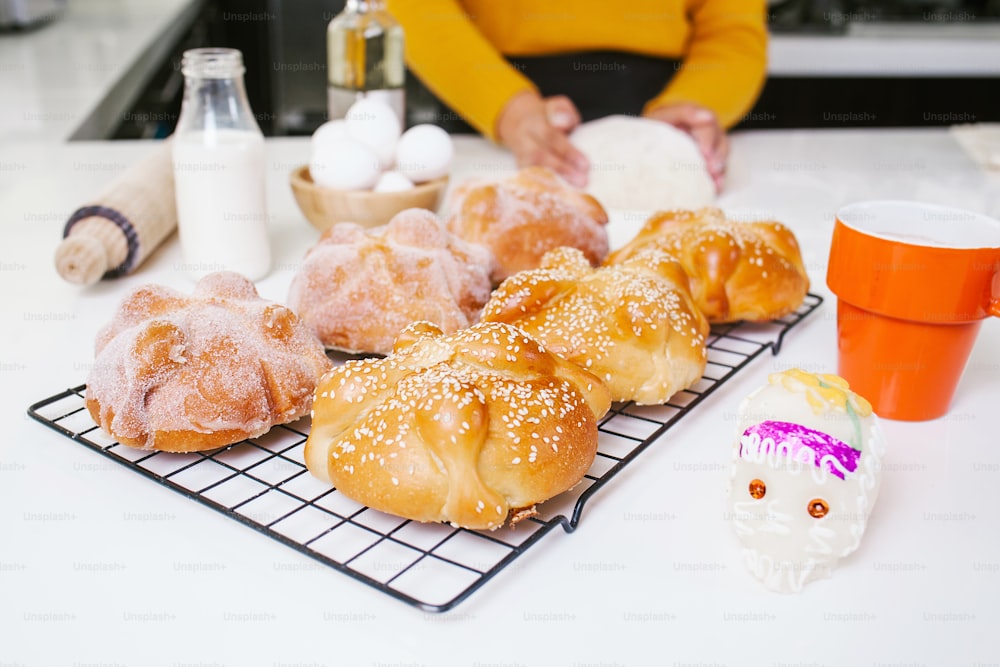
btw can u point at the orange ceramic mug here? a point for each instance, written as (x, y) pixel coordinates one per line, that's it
(914, 283)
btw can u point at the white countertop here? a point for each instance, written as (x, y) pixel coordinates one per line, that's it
(101, 566)
(76, 77)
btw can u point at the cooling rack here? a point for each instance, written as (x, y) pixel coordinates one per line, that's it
(263, 483)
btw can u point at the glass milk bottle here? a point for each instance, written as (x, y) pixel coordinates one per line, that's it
(364, 50)
(219, 169)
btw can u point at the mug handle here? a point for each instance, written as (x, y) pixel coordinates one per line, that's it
(994, 307)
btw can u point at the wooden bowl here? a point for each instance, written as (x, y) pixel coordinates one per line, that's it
(324, 207)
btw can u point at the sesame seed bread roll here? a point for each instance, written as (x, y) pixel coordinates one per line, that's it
(738, 270)
(523, 216)
(183, 373)
(468, 428)
(633, 324)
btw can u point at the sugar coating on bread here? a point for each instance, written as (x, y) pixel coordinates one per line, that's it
(464, 428)
(187, 373)
(523, 216)
(633, 324)
(738, 270)
(357, 288)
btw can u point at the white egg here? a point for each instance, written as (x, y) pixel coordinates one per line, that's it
(392, 181)
(424, 153)
(329, 132)
(345, 165)
(374, 124)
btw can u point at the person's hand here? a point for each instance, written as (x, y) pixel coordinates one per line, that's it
(703, 126)
(562, 113)
(536, 131)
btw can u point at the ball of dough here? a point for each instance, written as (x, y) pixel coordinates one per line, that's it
(640, 164)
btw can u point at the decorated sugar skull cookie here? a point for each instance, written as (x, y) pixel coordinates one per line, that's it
(806, 472)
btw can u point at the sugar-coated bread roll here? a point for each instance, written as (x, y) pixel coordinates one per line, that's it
(467, 428)
(738, 270)
(359, 288)
(633, 324)
(186, 373)
(523, 216)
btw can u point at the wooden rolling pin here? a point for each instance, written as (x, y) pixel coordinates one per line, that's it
(112, 235)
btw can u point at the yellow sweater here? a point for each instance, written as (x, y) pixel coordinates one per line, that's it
(455, 47)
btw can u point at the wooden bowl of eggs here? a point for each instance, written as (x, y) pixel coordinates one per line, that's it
(324, 207)
(364, 169)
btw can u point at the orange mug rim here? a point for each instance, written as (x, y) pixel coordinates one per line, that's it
(902, 278)
(923, 206)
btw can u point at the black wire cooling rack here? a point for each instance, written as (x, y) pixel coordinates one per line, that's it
(263, 483)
